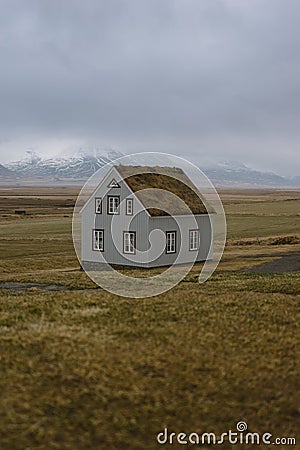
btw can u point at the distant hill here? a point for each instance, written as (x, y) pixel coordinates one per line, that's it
(233, 174)
(78, 168)
(296, 181)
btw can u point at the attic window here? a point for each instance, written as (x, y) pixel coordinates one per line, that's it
(129, 206)
(98, 205)
(113, 202)
(113, 184)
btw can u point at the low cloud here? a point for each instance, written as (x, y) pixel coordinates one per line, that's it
(218, 77)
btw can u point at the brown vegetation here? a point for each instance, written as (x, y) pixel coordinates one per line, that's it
(84, 369)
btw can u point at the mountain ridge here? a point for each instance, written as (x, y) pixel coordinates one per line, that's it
(82, 165)
(5, 172)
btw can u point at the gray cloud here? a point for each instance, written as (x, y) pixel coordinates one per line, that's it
(190, 77)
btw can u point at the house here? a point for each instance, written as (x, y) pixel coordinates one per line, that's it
(145, 217)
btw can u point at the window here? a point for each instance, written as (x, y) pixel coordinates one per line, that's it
(98, 205)
(194, 240)
(171, 242)
(129, 206)
(129, 242)
(113, 202)
(98, 240)
(113, 184)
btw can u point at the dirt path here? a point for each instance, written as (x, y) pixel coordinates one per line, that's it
(19, 286)
(286, 263)
(282, 263)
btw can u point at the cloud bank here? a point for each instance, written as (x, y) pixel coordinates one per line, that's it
(194, 78)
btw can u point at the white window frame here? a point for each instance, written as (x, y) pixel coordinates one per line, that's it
(98, 240)
(113, 184)
(194, 240)
(98, 205)
(171, 238)
(129, 206)
(129, 238)
(113, 204)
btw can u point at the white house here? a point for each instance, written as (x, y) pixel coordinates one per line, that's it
(145, 217)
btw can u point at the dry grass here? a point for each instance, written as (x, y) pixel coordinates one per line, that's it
(89, 370)
(277, 241)
(169, 180)
(84, 369)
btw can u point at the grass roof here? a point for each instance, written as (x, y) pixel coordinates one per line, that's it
(171, 180)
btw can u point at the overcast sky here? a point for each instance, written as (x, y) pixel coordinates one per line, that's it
(217, 79)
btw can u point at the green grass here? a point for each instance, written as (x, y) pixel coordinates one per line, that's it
(248, 226)
(37, 228)
(31, 244)
(265, 208)
(84, 369)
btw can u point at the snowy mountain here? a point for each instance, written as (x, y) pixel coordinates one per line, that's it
(233, 173)
(79, 166)
(5, 172)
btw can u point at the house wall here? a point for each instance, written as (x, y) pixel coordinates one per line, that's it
(183, 224)
(114, 226)
(144, 226)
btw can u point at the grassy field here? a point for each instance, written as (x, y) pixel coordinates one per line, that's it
(83, 369)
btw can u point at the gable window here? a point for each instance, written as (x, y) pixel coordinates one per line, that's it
(98, 205)
(194, 240)
(129, 206)
(171, 242)
(98, 240)
(113, 184)
(113, 202)
(129, 242)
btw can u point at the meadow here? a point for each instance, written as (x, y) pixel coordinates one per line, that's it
(83, 369)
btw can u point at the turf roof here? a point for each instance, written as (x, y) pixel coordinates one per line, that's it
(171, 180)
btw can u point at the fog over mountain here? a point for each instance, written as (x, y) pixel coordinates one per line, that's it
(82, 164)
